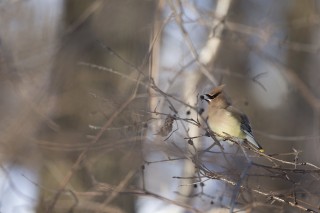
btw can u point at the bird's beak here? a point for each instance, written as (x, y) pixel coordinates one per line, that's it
(206, 97)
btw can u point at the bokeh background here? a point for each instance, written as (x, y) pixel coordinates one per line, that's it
(100, 100)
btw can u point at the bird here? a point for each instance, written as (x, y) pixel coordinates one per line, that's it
(226, 120)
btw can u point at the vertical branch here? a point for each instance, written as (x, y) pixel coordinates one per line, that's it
(210, 50)
(207, 54)
(154, 60)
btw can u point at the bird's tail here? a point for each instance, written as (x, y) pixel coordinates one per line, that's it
(253, 142)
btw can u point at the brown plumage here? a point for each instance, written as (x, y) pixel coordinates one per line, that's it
(224, 119)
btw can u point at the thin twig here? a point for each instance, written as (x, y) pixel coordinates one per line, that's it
(82, 156)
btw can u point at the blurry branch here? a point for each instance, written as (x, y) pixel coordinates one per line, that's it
(277, 168)
(207, 54)
(272, 159)
(286, 138)
(97, 4)
(277, 163)
(210, 50)
(280, 168)
(110, 70)
(82, 155)
(238, 186)
(92, 207)
(168, 97)
(265, 35)
(102, 189)
(298, 83)
(291, 170)
(301, 86)
(184, 32)
(78, 146)
(155, 56)
(270, 196)
(123, 184)
(18, 84)
(15, 187)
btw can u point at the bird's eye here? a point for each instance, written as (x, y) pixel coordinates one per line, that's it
(213, 96)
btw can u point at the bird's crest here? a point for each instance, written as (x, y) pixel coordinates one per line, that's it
(215, 92)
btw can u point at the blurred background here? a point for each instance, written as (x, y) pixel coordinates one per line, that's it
(100, 105)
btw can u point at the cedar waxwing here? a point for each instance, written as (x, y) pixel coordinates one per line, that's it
(224, 119)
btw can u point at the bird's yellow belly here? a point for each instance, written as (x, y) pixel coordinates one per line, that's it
(225, 125)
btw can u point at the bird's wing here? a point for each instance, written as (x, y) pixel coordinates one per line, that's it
(244, 125)
(242, 118)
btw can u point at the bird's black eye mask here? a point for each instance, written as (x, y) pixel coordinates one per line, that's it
(209, 97)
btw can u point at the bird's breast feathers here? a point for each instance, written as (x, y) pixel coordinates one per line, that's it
(223, 123)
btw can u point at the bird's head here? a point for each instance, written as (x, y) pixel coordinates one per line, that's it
(216, 97)
(213, 94)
